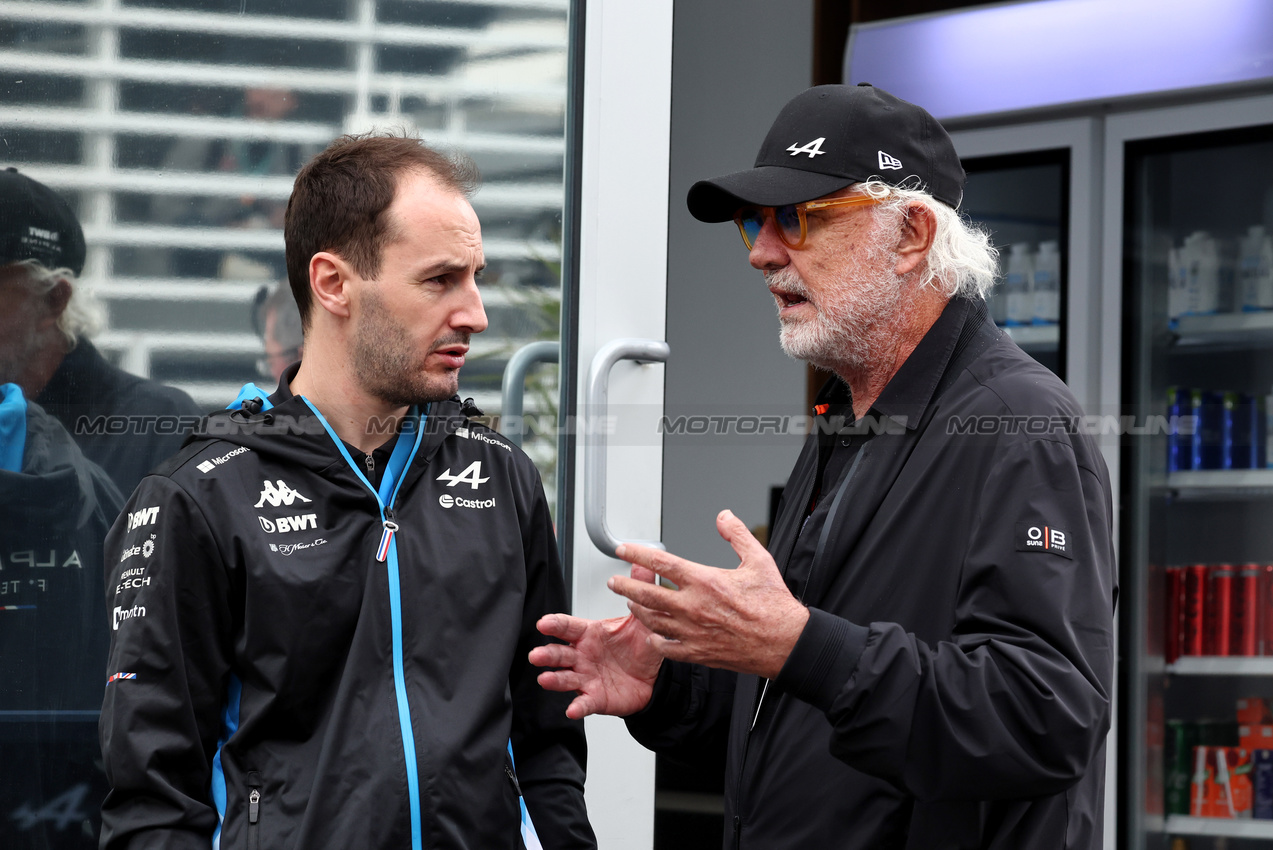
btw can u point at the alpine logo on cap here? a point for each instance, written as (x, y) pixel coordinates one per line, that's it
(889, 162)
(813, 149)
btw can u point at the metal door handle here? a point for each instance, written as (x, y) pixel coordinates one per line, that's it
(513, 390)
(596, 401)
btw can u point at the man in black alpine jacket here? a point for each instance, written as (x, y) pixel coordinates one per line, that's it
(923, 658)
(322, 607)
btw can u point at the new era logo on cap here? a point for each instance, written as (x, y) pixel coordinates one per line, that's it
(889, 162)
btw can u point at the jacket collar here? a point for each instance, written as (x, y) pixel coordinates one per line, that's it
(909, 394)
(440, 420)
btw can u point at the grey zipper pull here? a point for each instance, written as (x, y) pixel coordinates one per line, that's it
(371, 464)
(254, 806)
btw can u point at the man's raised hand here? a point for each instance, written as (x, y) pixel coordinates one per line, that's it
(610, 663)
(744, 619)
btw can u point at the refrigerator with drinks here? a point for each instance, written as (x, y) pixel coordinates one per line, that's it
(1196, 257)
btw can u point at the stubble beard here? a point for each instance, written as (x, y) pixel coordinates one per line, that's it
(387, 365)
(853, 322)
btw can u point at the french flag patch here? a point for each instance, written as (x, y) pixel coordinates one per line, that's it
(119, 676)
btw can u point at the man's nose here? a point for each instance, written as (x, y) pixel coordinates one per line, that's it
(470, 315)
(768, 252)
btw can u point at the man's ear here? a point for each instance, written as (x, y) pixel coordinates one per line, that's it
(919, 226)
(329, 275)
(57, 300)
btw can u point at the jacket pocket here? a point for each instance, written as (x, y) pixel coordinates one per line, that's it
(254, 810)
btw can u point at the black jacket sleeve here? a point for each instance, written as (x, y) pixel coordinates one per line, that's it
(687, 719)
(167, 597)
(550, 749)
(1018, 701)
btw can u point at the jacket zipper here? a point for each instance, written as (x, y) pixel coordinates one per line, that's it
(513, 778)
(387, 553)
(370, 463)
(254, 816)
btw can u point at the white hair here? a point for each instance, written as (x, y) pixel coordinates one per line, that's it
(962, 261)
(84, 314)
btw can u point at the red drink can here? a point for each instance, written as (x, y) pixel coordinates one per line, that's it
(1219, 616)
(1266, 609)
(1174, 639)
(1245, 636)
(1193, 637)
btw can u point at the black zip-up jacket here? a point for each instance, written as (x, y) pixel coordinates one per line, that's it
(952, 687)
(267, 663)
(54, 512)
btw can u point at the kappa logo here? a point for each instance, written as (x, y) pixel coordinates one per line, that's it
(813, 149)
(283, 524)
(278, 495)
(472, 476)
(888, 162)
(145, 516)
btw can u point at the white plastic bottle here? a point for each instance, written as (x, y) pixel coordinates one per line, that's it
(1255, 269)
(1017, 285)
(1047, 284)
(1177, 284)
(1201, 260)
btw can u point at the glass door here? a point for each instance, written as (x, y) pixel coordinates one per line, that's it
(1197, 552)
(173, 129)
(1022, 200)
(1033, 185)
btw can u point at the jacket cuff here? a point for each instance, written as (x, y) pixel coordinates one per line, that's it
(823, 659)
(663, 710)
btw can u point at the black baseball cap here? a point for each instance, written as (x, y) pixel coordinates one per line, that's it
(37, 224)
(829, 137)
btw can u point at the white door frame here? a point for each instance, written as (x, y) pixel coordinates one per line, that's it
(627, 57)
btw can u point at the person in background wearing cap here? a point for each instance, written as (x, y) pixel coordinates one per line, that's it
(924, 656)
(124, 423)
(278, 323)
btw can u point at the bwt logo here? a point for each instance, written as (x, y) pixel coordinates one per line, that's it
(289, 523)
(145, 516)
(122, 614)
(1045, 538)
(280, 495)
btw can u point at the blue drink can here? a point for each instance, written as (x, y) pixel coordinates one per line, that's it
(1208, 451)
(1179, 408)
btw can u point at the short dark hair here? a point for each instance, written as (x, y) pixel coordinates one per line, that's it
(340, 198)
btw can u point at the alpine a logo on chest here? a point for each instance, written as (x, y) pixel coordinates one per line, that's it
(278, 493)
(472, 476)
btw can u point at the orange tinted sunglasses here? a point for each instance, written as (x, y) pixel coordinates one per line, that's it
(790, 219)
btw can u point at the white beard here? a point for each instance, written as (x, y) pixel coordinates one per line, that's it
(854, 316)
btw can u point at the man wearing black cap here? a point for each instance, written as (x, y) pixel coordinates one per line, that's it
(123, 423)
(923, 658)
